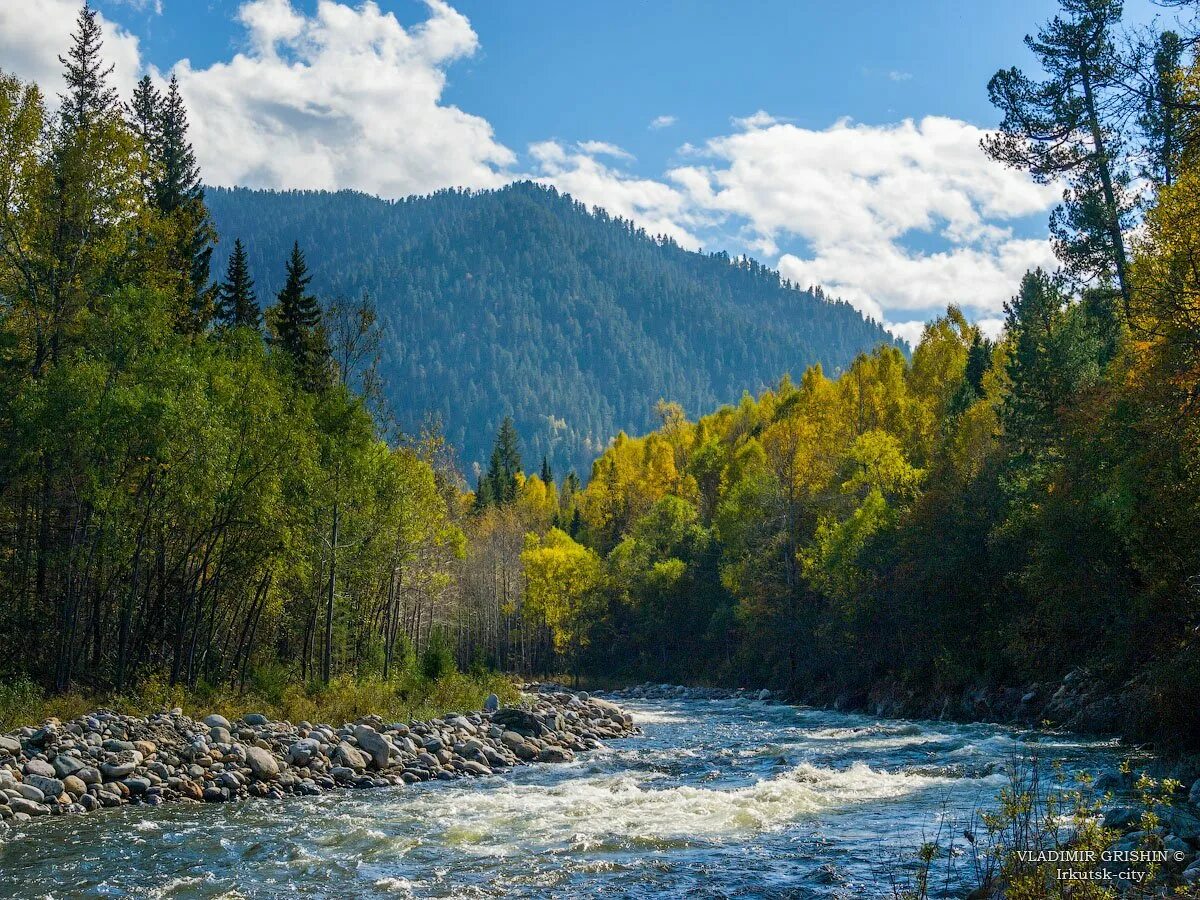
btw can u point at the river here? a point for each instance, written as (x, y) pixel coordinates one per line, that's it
(725, 798)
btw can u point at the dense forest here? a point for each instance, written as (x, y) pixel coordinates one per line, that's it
(522, 302)
(200, 481)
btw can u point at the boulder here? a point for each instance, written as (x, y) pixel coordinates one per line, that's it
(66, 764)
(256, 720)
(349, 757)
(39, 767)
(216, 721)
(519, 720)
(9, 745)
(492, 703)
(262, 764)
(1194, 793)
(51, 787)
(374, 743)
(73, 786)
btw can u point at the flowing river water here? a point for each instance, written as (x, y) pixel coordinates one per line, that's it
(717, 798)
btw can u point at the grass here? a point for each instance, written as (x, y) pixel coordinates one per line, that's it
(346, 698)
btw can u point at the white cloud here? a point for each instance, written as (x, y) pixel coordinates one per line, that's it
(344, 98)
(348, 97)
(656, 206)
(603, 148)
(853, 194)
(897, 75)
(33, 33)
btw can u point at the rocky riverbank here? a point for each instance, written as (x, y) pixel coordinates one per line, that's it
(651, 691)
(105, 759)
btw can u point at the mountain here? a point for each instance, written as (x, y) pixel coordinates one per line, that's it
(523, 302)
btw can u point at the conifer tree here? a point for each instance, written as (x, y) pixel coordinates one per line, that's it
(178, 192)
(1061, 128)
(88, 98)
(547, 472)
(237, 304)
(297, 322)
(499, 485)
(144, 120)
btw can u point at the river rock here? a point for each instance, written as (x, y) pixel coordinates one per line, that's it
(29, 792)
(349, 757)
(28, 807)
(262, 764)
(1194, 793)
(375, 744)
(10, 745)
(492, 703)
(519, 720)
(67, 764)
(52, 788)
(216, 721)
(73, 786)
(39, 767)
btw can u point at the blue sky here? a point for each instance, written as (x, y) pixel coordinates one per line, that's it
(836, 141)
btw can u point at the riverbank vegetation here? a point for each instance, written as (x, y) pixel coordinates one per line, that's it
(200, 489)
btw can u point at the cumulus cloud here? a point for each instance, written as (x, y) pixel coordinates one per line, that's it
(658, 207)
(853, 193)
(34, 34)
(344, 98)
(899, 219)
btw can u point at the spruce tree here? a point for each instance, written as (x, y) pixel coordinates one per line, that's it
(547, 472)
(178, 192)
(297, 322)
(144, 120)
(88, 98)
(504, 466)
(237, 304)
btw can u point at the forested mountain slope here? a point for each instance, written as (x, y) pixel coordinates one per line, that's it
(522, 302)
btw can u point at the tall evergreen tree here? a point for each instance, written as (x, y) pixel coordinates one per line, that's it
(500, 482)
(178, 193)
(143, 117)
(1162, 116)
(1063, 128)
(297, 322)
(88, 98)
(547, 472)
(237, 304)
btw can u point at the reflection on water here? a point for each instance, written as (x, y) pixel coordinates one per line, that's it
(715, 799)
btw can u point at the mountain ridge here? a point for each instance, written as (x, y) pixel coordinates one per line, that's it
(522, 301)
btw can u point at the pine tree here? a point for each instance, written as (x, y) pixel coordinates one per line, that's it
(297, 322)
(178, 192)
(143, 118)
(237, 305)
(500, 482)
(1057, 129)
(1162, 116)
(88, 98)
(547, 472)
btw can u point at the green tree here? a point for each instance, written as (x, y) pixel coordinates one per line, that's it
(1063, 128)
(499, 484)
(237, 304)
(179, 195)
(297, 324)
